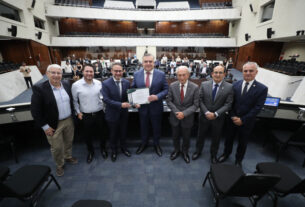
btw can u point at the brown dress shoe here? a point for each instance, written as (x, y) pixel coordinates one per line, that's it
(60, 171)
(72, 160)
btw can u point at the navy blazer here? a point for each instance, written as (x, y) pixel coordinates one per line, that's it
(159, 87)
(112, 99)
(43, 103)
(248, 106)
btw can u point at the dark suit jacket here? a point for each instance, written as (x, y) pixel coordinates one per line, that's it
(223, 100)
(43, 104)
(188, 106)
(248, 106)
(112, 99)
(159, 87)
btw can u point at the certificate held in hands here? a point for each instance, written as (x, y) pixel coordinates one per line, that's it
(138, 95)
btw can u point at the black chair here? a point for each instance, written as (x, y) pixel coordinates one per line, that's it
(92, 203)
(4, 171)
(290, 182)
(27, 183)
(290, 138)
(6, 140)
(230, 180)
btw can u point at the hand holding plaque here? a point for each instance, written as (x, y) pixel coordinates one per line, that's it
(138, 96)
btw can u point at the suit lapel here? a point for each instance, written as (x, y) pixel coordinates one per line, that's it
(220, 91)
(210, 89)
(177, 91)
(116, 88)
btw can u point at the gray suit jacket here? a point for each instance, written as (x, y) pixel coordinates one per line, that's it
(223, 100)
(188, 106)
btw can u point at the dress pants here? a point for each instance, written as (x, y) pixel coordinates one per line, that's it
(118, 131)
(156, 121)
(61, 141)
(28, 81)
(93, 122)
(185, 133)
(216, 127)
(243, 132)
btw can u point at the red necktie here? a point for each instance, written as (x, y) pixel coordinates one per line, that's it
(182, 93)
(147, 83)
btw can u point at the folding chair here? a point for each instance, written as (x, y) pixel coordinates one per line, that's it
(27, 183)
(230, 180)
(290, 182)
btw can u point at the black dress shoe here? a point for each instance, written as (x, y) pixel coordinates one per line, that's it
(158, 150)
(223, 158)
(126, 152)
(196, 155)
(141, 148)
(104, 153)
(238, 164)
(174, 155)
(90, 158)
(213, 160)
(186, 157)
(113, 156)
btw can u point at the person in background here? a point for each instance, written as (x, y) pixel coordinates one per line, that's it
(26, 71)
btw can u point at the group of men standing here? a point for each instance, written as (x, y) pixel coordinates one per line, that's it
(54, 103)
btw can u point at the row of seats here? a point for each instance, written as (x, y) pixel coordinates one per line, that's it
(8, 67)
(290, 67)
(274, 179)
(216, 5)
(81, 3)
(213, 35)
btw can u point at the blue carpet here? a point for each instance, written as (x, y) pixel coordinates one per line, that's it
(146, 180)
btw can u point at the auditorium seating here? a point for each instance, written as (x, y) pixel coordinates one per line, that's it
(8, 67)
(80, 3)
(216, 5)
(104, 34)
(289, 67)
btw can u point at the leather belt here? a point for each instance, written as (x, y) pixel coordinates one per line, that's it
(91, 114)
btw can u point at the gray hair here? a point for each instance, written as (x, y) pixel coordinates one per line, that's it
(148, 55)
(182, 67)
(53, 66)
(251, 63)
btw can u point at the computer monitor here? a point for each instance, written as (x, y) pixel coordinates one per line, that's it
(272, 101)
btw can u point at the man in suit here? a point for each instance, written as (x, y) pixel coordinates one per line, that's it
(114, 92)
(51, 108)
(215, 99)
(89, 108)
(249, 98)
(183, 101)
(155, 80)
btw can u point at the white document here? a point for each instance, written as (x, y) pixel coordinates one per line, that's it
(138, 95)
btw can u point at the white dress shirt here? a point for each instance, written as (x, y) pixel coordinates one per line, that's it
(87, 97)
(243, 85)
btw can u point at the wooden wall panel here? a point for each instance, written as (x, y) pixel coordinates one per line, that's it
(260, 52)
(16, 51)
(195, 27)
(96, 26)
(41, 56)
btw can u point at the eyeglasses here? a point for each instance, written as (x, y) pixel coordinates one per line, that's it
(220, 73)
(55, 73)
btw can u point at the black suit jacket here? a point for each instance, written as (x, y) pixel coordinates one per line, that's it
(43, 104)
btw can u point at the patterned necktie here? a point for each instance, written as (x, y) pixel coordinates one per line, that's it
(119, 88)
(245, 89)
(214, 91)
(147, 83)
(182, 93)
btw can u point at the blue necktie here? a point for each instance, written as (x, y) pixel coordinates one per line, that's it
(245, 89)
(214, 91)
(119, 88)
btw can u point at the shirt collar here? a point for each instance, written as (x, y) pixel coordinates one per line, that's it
(184, 85)
(53, 87)
(85, 83)
(151, 72)
(250, 82)
(115, 80)
(217, 83)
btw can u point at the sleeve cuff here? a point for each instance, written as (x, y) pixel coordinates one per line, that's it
(45, 127)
